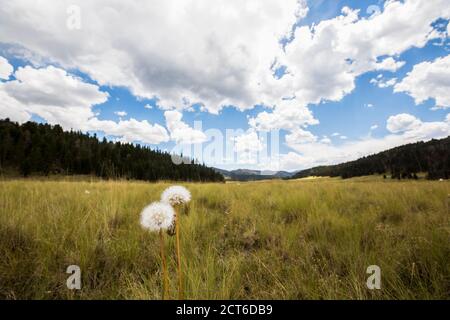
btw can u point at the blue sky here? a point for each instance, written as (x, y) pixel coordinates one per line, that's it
(328, 99)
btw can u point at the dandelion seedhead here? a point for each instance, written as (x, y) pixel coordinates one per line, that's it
(157, 216)
(176, 195)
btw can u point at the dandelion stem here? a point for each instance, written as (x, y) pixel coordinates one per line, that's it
(180, 279)
(164, 265)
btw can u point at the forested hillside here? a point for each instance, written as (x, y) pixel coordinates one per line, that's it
(42, 149)
(432, 157)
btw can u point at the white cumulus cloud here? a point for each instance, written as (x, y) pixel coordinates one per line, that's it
(324, 60)
(120, 113)
(299, 136)
(61, 98)
(52, 94)
(5, 68)
(404, 129)
(288, 114)
(383, 83)
(428, 80)
(181, 132)
(131, 130)
(402, 122)
(248, 142)
(181, 52)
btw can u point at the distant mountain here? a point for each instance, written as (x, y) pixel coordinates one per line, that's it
(404, 162)
(251, 175)
(246, 172)
(279, 174)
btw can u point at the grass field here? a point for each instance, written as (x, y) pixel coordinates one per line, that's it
(309, 239)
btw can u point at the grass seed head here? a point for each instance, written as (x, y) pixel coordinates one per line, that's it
(157, 216)
(176, 195)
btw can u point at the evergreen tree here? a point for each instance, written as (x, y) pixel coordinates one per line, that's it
(42, 149)
(432, 157)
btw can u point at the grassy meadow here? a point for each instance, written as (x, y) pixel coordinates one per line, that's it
(304, 239)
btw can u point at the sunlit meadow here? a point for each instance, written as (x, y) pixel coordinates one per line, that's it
(308, 239)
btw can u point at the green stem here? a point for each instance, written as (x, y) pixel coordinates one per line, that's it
(164, 266)
(180, 275)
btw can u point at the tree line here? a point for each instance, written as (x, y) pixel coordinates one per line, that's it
(43, 149)
(404, 162)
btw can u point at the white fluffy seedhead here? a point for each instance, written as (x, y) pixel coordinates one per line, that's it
(176, 195)
(157, 216)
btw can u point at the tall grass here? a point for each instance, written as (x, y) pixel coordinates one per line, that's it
(262, 240)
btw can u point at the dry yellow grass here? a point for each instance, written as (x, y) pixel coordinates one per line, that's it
(309, 239)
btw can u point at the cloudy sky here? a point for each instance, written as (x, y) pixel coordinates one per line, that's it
(297, 83)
